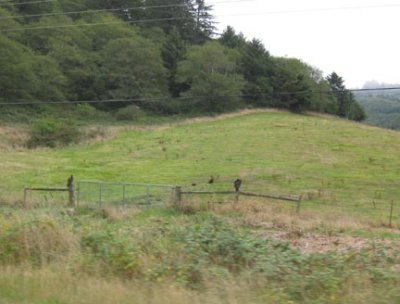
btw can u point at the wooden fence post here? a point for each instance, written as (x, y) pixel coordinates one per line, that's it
(299, 204)
(178, 195)
(71, 193)
(237, 196)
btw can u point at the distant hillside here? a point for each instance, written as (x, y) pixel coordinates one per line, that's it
(382, 107)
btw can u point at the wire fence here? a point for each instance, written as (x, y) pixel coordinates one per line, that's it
(381, 209)
(101, 194)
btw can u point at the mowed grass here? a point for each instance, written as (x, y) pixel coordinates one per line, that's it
(331, 161)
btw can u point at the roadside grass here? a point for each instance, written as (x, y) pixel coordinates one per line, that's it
(170, 255)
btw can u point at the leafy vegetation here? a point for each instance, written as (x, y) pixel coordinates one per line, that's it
(158, 55)
(151, 61)
(198, 252)
(52, 133)
(382, 107)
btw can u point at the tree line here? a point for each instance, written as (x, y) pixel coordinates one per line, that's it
(161, 55)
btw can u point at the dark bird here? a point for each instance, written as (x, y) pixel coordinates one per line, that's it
(237, 184)
(70, 181)
(211, 180)
(194, 184)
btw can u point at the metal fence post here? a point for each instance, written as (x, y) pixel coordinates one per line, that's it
(147, 195)
(123, 194)
(100, 190)
(25, 194)
(391, 214)
(298, 204)
(78, 195)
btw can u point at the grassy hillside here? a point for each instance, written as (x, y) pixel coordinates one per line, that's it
(349, 163)
(338, 250)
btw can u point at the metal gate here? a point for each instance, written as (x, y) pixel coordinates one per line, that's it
(98, 193)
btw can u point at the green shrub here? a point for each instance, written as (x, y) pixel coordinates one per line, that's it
(86, 111)
(129, 113)
(52, 133)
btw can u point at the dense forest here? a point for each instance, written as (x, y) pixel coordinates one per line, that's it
(382, 106)
(162, 56)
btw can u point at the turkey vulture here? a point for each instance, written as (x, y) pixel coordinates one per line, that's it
(70, 181)
(237, 184)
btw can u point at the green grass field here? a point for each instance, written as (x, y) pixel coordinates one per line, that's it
(338, 250)
(331, 161)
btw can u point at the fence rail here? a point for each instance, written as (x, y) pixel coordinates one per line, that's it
(102, 193)
(296, 199)
(69, 189)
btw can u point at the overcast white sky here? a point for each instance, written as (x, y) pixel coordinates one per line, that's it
(360, 44)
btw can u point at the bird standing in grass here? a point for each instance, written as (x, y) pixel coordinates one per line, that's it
(70, 181)
(211, 180)
(237, 184)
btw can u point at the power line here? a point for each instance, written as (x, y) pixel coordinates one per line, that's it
(188, 18)
(27, 3)
(92, 24)
(111, 10)
(92, 11)
(107, 100)
(154, 99)
(375, 89)
(313, 10)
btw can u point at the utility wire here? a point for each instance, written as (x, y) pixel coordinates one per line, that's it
(189, 18)
(313, 10)
(47, 1)
(153, 99)
(111, 10)
(92, 24)
(27, 3)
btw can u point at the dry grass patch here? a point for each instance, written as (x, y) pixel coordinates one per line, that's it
(36, 241)
(13, 138)
(58, 285)
(309, 231)
(95, 134)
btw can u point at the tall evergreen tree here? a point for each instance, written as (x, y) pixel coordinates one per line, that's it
(230, 39)
(348, 107)
(171, 15)
(338, 88)
(126, 9)
(257, 68)
(203, 21)
(292, 86)
(173, 51)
